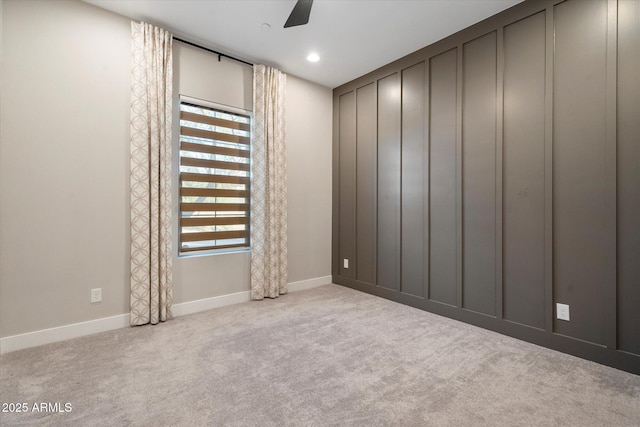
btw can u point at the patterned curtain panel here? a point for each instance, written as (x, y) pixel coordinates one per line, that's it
(269, 185)
(151, 85)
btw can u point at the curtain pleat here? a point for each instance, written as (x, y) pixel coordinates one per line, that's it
(151, 104)
(269, 185)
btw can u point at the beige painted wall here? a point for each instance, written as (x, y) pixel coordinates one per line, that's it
(309, 121)
(64, 217)
(64, 159)
(199, 74)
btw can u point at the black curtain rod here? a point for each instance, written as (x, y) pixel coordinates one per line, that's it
(220, 54)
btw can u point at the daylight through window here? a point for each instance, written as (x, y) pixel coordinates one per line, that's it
(214, 178)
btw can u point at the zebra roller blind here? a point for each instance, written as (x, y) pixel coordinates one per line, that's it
(215, 152)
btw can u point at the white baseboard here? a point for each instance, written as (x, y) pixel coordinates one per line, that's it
(308, 284)
(196, 306)
(62, 333)
(191, 307)
(75, 330)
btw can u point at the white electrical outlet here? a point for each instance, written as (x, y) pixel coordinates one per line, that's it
(96, 295)
(346, 263)
(562, 311)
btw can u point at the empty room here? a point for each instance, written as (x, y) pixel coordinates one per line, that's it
(320, 212)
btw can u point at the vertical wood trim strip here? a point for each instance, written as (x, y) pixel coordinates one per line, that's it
(335, 267)
(548, 172)
(426, 176)
(377, 150)
(375, 193)
(499, 167)
(611, 176)
(459, 183)
(401, 195)
(353, 263)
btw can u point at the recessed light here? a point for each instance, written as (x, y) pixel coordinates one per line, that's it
(265, 26)
(313, 57)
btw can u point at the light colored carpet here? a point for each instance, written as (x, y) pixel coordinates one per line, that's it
(327, 356)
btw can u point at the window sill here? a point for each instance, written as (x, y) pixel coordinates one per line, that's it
(213, 252)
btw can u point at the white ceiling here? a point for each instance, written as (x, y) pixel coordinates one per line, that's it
(352, 37)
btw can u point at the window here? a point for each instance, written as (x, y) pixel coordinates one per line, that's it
(215, 181)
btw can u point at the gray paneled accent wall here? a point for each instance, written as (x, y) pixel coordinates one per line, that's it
(389, 160)
(414, 172)
(442, 182)
(523, 171)
(366, 161)
(628, 168)
(496, 173)
(479, 174)
(347, 177)
(579, 167)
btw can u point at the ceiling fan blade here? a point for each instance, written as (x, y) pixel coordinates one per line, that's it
(299, 14)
